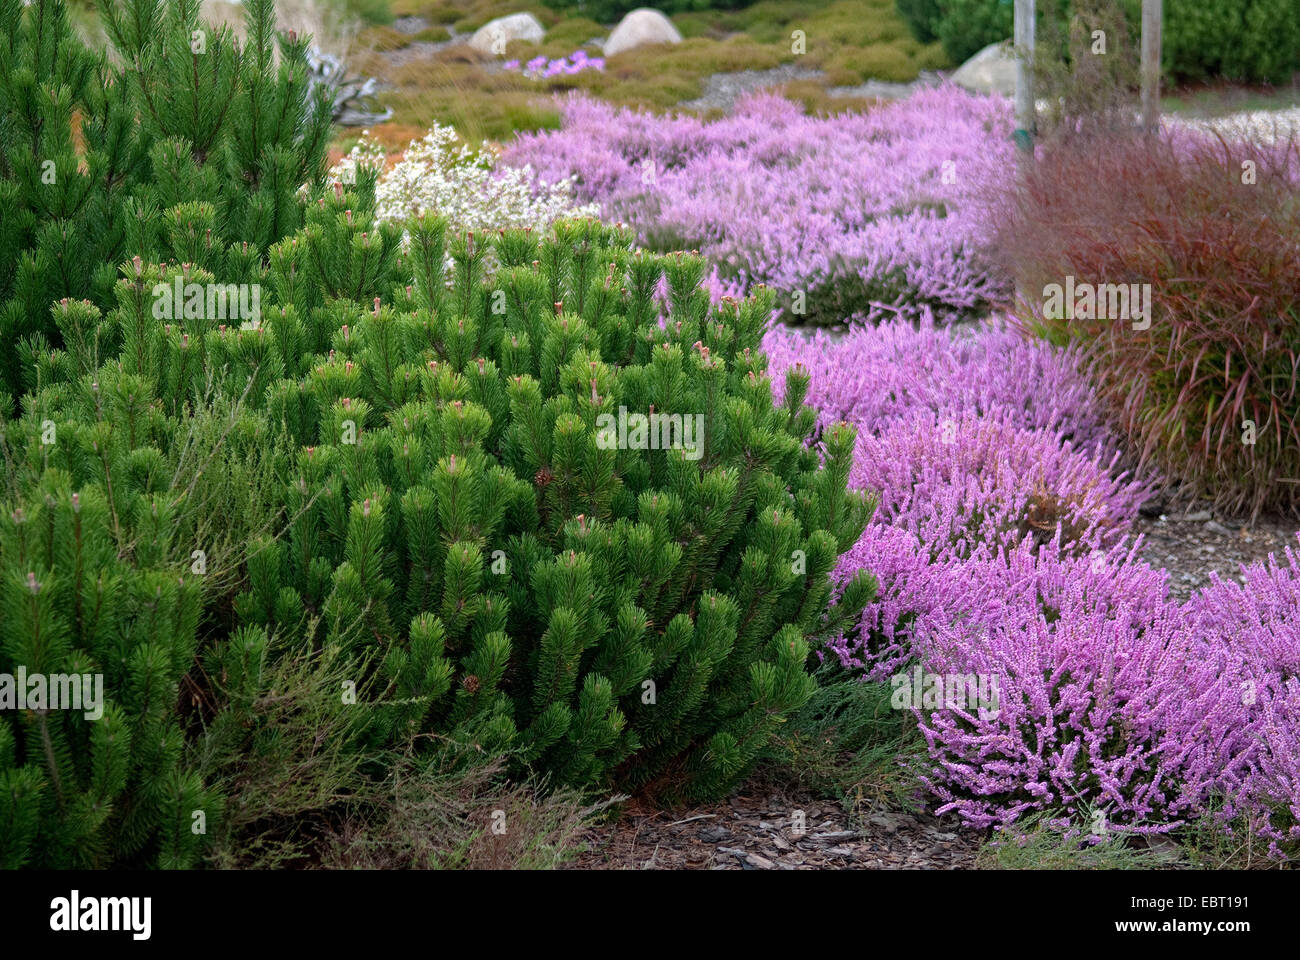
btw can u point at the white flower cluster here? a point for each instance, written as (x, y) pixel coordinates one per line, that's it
(442, 174)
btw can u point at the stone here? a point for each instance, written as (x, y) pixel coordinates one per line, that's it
(493, 36)
(638, 28)
(992, 70)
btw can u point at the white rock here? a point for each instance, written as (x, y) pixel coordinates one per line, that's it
(493, 36)
(992, 70)
(638, 28)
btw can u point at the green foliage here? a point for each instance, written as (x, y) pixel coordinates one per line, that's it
(965, 27)
(99, 156)
(378, 523)
(1251, 41)
(611, 11)
(848, 741)
(922, 17)
(1038, 843)
(369, 11)
(613, 612)
(420, 501)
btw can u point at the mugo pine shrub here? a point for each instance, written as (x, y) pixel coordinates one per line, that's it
(99, 156)
(451, 491)
(572, 525)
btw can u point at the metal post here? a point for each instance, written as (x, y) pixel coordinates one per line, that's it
(1025, 109)
(1152, 16)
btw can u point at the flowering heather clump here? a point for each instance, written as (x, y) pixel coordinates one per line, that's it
(994, 482)
(836, 213)
(998, 545)
(441, 174)
(540, 68)
(1087, 681)
(876, 374)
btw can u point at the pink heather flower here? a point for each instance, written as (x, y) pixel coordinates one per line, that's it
(879, 206)
(1114, 700)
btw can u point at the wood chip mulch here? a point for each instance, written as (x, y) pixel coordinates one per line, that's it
(758, 830)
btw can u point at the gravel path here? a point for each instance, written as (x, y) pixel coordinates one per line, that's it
(1192, 545)
(1264, 126)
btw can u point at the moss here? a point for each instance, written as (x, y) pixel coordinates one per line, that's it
(443, 14)
(376, 12)
(884, 62)
(432, 35)
(568, 35)
(699, 58)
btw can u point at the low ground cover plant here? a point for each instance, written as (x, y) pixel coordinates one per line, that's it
(1118, 711)
(835, 213)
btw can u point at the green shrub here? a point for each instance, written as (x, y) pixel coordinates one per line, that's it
(1253, 41)
(120, 526)
(965, 27)
(922, 17)
(382, 478)
(415, 493)
(94, 157)
(611, 614)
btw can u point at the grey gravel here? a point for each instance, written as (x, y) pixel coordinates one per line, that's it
(411, 24)
(884, 90)
(722, 90)
(1191, 549)
(420, 50)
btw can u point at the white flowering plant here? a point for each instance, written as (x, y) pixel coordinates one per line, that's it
(442, 174)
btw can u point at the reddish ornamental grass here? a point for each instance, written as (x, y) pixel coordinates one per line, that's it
(1208, 393)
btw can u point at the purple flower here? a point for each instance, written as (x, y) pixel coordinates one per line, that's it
(882, 201)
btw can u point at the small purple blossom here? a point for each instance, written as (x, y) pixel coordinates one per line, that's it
(540, 68)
